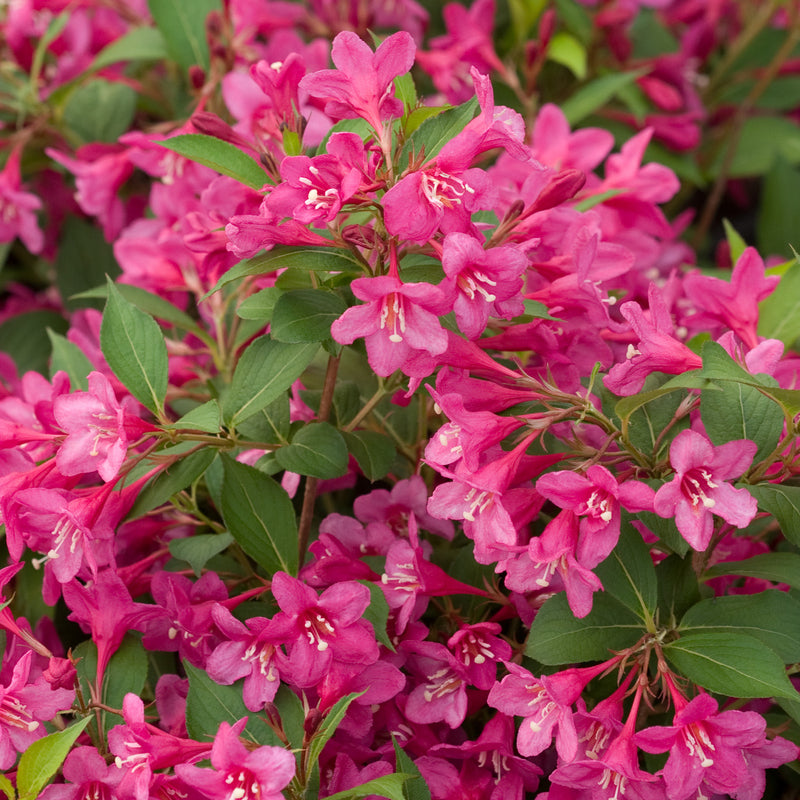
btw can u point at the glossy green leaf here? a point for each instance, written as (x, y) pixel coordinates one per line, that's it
(25, 337)
(146, 301)
(762, 141)
(329, 725)
(205, 417)
(417, 787)
(778, 217)
(678, 588)
(646, 425)
(775, 567)
(435, 132)
(175, 478)
(389, 786)
(739, 411)
(270, 425)
(100, 110)
(666, 531)
(374, 452)
(317, 449)
(266, 369)
(558, 637)
(377, 613)
(209, 704)
(138, 44)
(260, 516)
(783, 502)
(196, 550)
(134, 348)
(772, 617)
(68, 357)
(306, 315)
(779, 314)
(314, 259)
(219, 155)
(183, 26)
(629, 575)
(43, 758)
(730, 664)
(595, 94)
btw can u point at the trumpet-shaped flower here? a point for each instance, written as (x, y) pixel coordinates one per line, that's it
(700, 489)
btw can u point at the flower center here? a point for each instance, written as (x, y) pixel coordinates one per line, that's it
(16, 714)
(697, 486)
(441, 683)
(477, 502)
(393, 317)
(243, 786)
(443, 190)
(318, 629)
(474, 282)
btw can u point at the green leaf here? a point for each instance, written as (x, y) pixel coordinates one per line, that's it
(139, 44)
(678, 588)
(646, 425)
(198, 549)
(377, 614)
(317, 449)
(259, 515)
(735, 241)
(183, 25)
(772, 617)
(100, 110)
(565, 49)
(405, 90)
(417, 787)
(219, 155)
(329, 725)
(84, 260)
(666, 530)
(69, 358)
(175, 478)
(775, 567)
(314, 259)
(596, 199)
(435, 132)
(558, 637)
(595, 94)
(731, 664)
(259, 305)
(783, 502)
(205, 417)
(7, 788)
(146, 301)
(389, 786)
(779, 314)
(374, 452)
(629, 575)
(271, 424)
(741, 412)
(134, 348)
(762, 141)
(266, 369)
(306, 315)
(209, 704)
(42, 759)
(25, 337)
(625, 407)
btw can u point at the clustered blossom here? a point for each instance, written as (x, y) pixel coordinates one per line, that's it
(501, 611)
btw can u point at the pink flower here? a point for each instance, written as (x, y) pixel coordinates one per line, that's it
(18, 208)
(321, 629)
(398, 320)
(239, 772)
(362, 85)
(699, 488)
(95, 425)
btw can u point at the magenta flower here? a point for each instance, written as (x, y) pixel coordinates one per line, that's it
(87, 775)
(320, 630)
(705, 747)
(699, 488)
(95, 425)
(239, 772)
(443, 695)
(23, 708)
(362, 84)
(18, 208)
(484, 282)
(398, 320)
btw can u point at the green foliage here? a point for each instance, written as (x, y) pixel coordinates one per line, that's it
(182, 23)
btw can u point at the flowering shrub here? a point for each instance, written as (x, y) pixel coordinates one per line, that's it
(367, 427)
